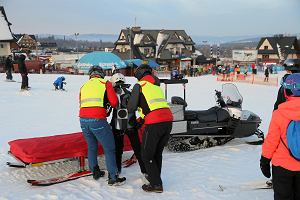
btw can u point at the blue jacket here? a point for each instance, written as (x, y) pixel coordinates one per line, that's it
(59, 80)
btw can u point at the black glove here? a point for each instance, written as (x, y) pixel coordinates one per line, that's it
(265, 166)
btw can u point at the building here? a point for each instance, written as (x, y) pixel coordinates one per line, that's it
(272, 50)
(167, 47)
(26, 41)
(244, 57)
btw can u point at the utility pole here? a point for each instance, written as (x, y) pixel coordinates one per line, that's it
(76, 35)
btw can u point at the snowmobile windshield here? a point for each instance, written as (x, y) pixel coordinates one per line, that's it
(231, 95)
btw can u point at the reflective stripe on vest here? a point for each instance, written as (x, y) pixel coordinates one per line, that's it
(154, 96)
(92, 93)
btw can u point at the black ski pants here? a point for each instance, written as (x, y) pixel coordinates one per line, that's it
(286, 184)
(155, 138)
(135, 144)
(24, 81)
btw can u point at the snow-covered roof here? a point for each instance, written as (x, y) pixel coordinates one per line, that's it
(5, 33)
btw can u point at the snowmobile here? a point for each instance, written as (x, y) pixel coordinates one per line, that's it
(196, 129)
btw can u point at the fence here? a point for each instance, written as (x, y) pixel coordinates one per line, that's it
(251, 79)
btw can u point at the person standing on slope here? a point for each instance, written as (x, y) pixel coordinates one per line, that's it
(285, 168)
(94, 96)
(118, 128)
(291, 66)
(148, 98)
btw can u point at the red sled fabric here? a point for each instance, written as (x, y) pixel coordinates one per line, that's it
(43, 149)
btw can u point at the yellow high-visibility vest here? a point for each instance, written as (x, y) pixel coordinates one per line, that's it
(154, 96)
(92, 93)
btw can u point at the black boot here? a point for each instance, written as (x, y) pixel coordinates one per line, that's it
(154, 188)
(116, 182)
(97, 173)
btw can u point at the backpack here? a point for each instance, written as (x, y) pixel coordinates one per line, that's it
(293, 139)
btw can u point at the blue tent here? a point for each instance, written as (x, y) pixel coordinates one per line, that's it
(138, 62)
(106, 60)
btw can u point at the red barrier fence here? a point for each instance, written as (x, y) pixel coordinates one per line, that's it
(251, 78)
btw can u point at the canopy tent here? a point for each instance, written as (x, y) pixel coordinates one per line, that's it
(138, 62)
(106, 60)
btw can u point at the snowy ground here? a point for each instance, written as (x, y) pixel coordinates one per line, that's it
(190, 175)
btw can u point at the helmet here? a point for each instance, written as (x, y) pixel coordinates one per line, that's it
(117, 78)
(292, 65)
(292, 84)
(63, 78)
(142, 71)
(96, 70)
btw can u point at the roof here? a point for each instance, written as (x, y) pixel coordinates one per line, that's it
(283, 41)
(5, 33)
(19, 36)
(138, 62)
(103, 59)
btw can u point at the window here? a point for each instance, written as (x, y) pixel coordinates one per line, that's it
(266, 47)
(146, 51)
(1, 45)
(265, 56)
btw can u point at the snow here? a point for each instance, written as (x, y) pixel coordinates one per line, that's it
(225, 172)
(5, 33)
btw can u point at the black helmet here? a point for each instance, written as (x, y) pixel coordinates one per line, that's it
(96, 70)
(292, 65)
(142, 71)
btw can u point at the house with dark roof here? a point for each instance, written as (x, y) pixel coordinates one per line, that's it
(26, 41)
(167, 47)
(5, 34)
(277, 48)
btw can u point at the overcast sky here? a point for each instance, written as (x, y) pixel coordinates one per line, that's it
(197, 17)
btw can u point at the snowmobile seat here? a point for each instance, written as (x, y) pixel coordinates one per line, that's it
(214, 114)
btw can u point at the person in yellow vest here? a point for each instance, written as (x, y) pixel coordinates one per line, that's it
(148, 98)
(95, 95)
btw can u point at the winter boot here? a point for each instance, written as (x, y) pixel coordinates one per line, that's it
(155, 188)
(97, 173)
(116, 182)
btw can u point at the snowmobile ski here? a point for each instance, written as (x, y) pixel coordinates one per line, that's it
(61, 179)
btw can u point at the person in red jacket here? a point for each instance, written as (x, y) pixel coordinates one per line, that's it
(94, 97)
(285, 168)
(148, 98)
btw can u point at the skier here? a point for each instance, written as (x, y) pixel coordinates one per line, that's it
(174, 73)
(23, 72)
(291, 66)
(8, 68)
(95, 94)
(266, 74)
(285, 168)
(117, 124)
(59, 83)
(148, 98)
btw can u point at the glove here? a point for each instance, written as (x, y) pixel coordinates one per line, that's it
(265, 166)
(139, 122)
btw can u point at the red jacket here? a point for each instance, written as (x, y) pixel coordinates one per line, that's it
(137, 99)
(273, 148)
(110, 97)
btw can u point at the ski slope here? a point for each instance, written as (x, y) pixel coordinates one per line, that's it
(226, 172)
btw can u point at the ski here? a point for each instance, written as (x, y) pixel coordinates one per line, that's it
(256, 186)
(60, 179)
(17, 165)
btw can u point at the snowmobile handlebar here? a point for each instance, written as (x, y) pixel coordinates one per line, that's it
(220, 99)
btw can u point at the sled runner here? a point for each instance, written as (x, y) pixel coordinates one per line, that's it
(32, 152)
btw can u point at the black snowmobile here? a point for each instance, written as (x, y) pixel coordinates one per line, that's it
(194, 130)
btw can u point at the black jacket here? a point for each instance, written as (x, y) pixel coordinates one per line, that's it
(22, 66)
(8, 64)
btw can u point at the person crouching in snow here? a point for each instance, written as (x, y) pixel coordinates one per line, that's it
(59, 83)
(285, 168)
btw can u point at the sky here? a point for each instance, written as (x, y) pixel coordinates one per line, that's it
(197, 17)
